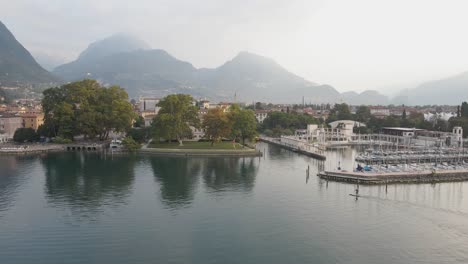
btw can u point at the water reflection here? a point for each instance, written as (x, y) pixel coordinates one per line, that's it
(233, 174)
(177, 178)
(87, 180)
(12, 176)
(342, 157)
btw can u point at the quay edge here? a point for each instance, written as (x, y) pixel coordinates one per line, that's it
(294, 149)
(397, 177)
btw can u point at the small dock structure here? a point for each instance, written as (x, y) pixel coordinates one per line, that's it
(86, 146)
(297, 145)
(426, 176)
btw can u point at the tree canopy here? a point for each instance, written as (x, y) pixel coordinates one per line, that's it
(244, 124)
(86, 108)
(464, 109)
(340, 112)
(176, 116)
(282, 123)
(217, 125)
(130, 144)
(25, 135)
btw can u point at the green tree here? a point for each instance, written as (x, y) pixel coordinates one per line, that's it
(87, 108)
(342, 111)
(140, 135)
(216, 124)
(244, 124)
(464, 109)
(63, 120)
(175, 117)
(259, 106)
(280, 121)
(139, 122)
(363, 114)
(25, 135)
(130, 144)
(45, 131)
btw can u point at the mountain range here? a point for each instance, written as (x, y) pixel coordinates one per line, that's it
(131, 63)
(247, 77)
(17, 66)
(449, 91)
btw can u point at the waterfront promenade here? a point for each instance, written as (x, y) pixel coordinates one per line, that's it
(29, 148)
(296, 146)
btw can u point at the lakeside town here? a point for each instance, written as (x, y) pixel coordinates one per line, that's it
(28, 114)
(404, 144)
(233, 132)
(85, 116)
(23, 120)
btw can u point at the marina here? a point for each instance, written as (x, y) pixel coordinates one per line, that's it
(407, 157)
(419, 166)
(408, 166)
(396, 155)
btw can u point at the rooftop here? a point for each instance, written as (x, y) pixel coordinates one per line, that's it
(402, 129)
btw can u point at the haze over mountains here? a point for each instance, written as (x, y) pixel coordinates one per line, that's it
(451, 90)
(247, 77)
(131, 63)
(17, 66)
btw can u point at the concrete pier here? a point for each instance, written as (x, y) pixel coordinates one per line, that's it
(311, 152)
(395, 177)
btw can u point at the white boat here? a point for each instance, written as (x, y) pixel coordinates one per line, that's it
(115, 144)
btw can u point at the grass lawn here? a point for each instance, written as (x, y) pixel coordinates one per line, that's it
(196, 145)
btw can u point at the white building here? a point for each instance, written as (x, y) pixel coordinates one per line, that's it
(341, 130)
(261, 115)
(458, 136)
(443, 116)
(8, 125)
(204, 104)
(379, 111)
(197, 134)
(345, 127)
(149, 104)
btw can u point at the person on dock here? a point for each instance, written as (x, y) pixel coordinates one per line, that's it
(359, 168)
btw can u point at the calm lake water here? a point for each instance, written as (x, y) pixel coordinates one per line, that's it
(91, 208)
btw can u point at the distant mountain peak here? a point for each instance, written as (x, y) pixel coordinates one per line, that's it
(117, 43)
(251, 58)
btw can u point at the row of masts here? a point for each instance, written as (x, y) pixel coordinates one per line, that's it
(422, 156)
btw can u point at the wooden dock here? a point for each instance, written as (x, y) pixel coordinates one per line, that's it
(395, 177)
(277, 142)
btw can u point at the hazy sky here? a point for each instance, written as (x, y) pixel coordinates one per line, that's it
(352, 45)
